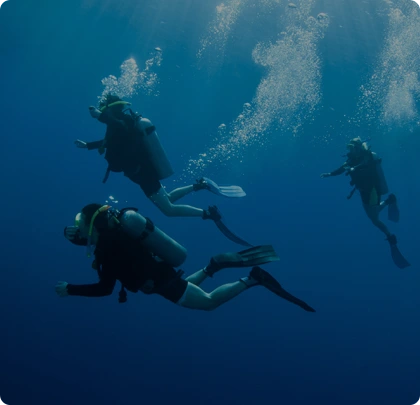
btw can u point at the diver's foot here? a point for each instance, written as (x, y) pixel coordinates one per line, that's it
(212, 213)
(392, 239)
(392, 199)
(258, 276)
(200, 184)
(263, 278)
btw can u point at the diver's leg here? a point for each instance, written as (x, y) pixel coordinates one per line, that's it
(195, 298)
(180, 192)
(197, 278)
(382, 205)
(372, 211)
(162, 201)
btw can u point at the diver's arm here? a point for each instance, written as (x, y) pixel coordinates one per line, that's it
(340, 170)
(88, 145)
(336, 172)
(101, 289)
(94, 145)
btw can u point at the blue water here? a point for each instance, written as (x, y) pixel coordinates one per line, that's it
(361, 346)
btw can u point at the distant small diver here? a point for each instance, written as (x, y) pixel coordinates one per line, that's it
(367, 176)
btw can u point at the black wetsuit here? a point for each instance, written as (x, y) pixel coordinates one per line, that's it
(120, 257)
(363, 177)
(123, 153)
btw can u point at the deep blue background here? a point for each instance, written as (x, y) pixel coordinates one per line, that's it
(362, 344)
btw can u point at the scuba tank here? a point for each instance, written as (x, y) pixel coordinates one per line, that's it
(149, 142)
(152, 238)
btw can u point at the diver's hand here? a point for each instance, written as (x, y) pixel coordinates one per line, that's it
(94, 112)
(70, 232)
(349, 170)
(80, 144)
(323, 175)
(61, 289)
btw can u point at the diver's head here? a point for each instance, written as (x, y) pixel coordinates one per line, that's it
(356, 147)
(91, 221)
(112, 103)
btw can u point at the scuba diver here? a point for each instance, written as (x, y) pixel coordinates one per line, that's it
(365, 170)
(131, 146)
(131, 249)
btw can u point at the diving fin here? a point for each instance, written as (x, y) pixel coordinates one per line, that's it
(224, 191)
(230, 235)
(396, 255)
(393, 210)
(231, 191)
(246, 258)
(266, 280)
(214, 214)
